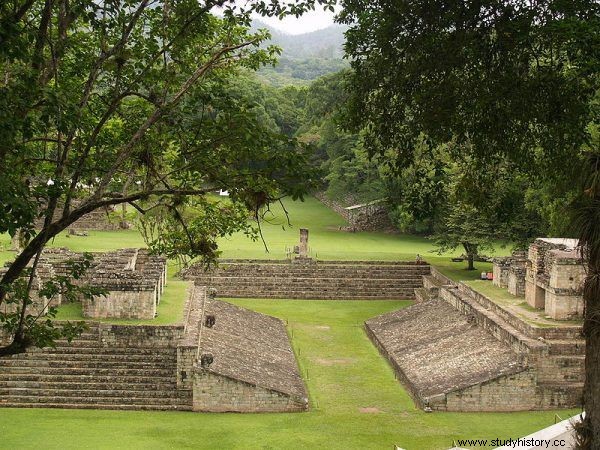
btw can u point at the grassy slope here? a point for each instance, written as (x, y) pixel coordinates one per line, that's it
(345, 373)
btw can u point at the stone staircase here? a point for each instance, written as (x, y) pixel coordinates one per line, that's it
(431, 285)
(87, 374)
(312, 279)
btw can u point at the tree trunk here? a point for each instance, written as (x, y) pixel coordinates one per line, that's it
(471, 251)
(588, 224)
(19, 344)
(39, 241)
(589, 431)
(470, 261)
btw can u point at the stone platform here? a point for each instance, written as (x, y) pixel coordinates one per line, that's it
(132, 278)
(123, 367)
(222, 358)
(253, 367)
(310, 279)
(436, 351)
(457, 350)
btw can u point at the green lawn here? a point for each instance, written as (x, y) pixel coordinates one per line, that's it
(325, 241)
(344, 374)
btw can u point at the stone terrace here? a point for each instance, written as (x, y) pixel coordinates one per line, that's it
(472, 354)
(309, 279)
(133, 278)
(252, 366)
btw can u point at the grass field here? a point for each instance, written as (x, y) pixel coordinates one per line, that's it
(355, 402)
(325, 241)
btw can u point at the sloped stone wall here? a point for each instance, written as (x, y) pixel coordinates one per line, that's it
(236, 360)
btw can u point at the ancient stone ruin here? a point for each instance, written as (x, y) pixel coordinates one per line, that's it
(550, 276)
(237, 360)
(371, 216)
(509, 272)
(336, 280)
(555, 276)
(134, 281)
(458, 350)
(222, 358)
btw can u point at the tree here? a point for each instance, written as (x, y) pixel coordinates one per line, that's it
(502, 78)
(465, 225)
(111, 102)
(460, 203)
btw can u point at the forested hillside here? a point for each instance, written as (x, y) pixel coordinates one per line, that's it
(304, 57)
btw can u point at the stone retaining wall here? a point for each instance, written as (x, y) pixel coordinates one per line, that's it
(217, 393)
(141, 336)
(372, 216)
(310, 279)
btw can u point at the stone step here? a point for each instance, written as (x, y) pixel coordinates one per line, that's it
(84, 378)
(78, 343)
(353, 292)
(74, 371)
(130, 357)
(92, 385)
(320, 266)
(16, 393)
(295, 280)
(57, 399)
(111, 406)
(86, 364)
(310, 287)
(375, 290)
(566, 346)
(104, 350)
(320, 262)
(315, 296)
